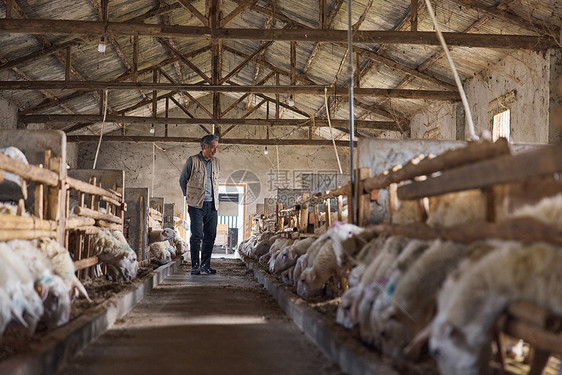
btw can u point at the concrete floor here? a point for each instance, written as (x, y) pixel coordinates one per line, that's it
(207, 324)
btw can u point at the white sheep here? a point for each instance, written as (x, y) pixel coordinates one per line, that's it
(17, 282)
(289, 255)
(415, 295)
(111, 248)
(276, 246)
(548, 210)
(324, 266)
(457, 208)
(348, 239)
(63, 265)
(471, 301)
(161, 251)
(180, 245)
(54, 291)
(158, 235)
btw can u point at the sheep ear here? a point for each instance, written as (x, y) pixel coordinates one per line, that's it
(311, 276)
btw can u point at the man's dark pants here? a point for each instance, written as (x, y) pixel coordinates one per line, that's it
(203, 228)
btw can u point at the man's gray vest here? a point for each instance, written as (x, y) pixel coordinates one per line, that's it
(197, 181)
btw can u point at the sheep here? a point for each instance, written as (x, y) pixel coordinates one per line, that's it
(548, 210)
(63, 265)
(180, 245)
(414, 297)
(325, 266)
(158, 235)
(470, 302)
(279, 244)
(348, 239)
(289, 255)
(457, 208)
(262, 247)
(345, 316)
(161, 251)
(54, 291)
(17, 283)
(111, 248)
(307, 259)
(365, 257)
(380, 250)
(313, 278)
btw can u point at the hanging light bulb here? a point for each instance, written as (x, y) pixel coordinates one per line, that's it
(101, 46)
(152, 129)
(291, 101)
(265, 152)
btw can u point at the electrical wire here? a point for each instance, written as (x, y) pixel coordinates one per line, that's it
(330, 125)
(102, 126)
(472, 135)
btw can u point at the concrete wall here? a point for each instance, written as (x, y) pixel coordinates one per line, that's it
(436, 121)
(239, 164)
(526, 73)
(382, 154)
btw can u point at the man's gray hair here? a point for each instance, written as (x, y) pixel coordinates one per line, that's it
(206, 140)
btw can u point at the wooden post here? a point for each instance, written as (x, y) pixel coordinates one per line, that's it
(328, 214)
(39, 199)
(340, 208)
(316, 215)
(490, 204)
(363, 200)
(280, 219)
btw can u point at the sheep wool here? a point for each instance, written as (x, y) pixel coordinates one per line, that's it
(513, 272)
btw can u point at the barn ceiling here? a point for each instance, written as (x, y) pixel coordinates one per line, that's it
(217, 65)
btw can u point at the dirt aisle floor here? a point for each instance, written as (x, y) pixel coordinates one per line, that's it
(207, 324)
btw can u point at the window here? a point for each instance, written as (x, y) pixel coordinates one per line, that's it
(500, 128)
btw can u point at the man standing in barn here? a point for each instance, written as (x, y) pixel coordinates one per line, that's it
(199, 181)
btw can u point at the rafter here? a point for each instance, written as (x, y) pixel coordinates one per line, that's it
(197, 140)
(166, 43)
(305, 90)
(74, 27)
(187, 4)
(317, 122)
(56, 101)
(8, 64)
(268, 65)
(236, 12)
(59, 57)
(268, 23)
(240, 99)
(504, 13)
(246, 61)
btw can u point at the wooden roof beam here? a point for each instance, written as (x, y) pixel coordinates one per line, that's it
(197, 140)
(317, 122)
(74, 27)
(266, 89)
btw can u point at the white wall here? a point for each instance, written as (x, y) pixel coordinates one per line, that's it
(436, 121)
(529, 74)
(526, 73)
